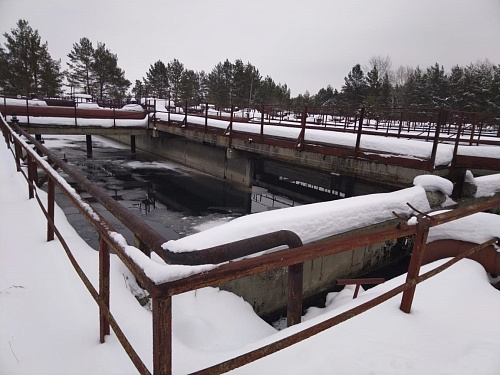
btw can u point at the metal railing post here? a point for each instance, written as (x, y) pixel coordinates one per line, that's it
(360, 129)
(230, 127)
(302, 135)
(154, 115)
(473, 130)
(440, 120)
(162, 335)
(76, 123)
(400, 126)
(50, 208)
(417, 255)
(31, 177)
(206, 117)
(295, 283)
(185, 113)
(168, 108)
(262, 121)
(19, 155)
(104, 328)
(27, 111)
(142, 246)
(457, 140)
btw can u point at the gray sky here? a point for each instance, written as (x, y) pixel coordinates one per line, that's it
(305, 44)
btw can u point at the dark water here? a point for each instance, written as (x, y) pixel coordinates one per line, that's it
(172, 199)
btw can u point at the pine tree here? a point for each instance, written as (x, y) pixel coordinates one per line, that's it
(355, 87)
(189, 87)
(457, 82)
(202, 86)
(245, 82)
(437, 87)
(373, 88)
(266, 93)
(29, 66)
(138, 90)
(478, 77)
(81, 65)
(415, 90)
(174, 74)
(324, 97)
(51, 79)
(157, 78)
(109, 79)
(3, 67)
(220, 84)
(494, 92)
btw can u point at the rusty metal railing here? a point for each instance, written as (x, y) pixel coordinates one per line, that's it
(425, 124)
(27, 161)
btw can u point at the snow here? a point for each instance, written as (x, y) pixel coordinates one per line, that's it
(487, 185)
(22, 102)
(89, 105)
(133, 107)
(84, 96)
(442, 335)
(49, 322)
(310, 222)
(486, 227)
(434, 183)
(483, 151)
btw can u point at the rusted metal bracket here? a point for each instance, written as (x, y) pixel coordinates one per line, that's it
(359, 282)
(420, 212)
(402, 218)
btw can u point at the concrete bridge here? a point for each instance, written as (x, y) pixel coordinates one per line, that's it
(338, 151)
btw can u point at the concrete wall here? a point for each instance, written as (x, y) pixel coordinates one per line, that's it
(225, 163)
(267, 292)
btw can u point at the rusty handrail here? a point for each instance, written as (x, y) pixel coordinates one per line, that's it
(293, 257)
(105, 231)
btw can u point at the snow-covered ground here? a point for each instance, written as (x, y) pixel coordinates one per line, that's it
(49, 322)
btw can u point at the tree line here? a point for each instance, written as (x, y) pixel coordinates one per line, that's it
(27, 68)
(475, 87)
(227, 84)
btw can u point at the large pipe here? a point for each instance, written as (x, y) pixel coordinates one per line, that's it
(488, 257)
(237, 249)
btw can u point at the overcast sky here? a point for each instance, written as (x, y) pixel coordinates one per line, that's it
(305, 44)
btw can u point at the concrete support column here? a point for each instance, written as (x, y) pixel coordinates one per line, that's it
(132, 144)
(89, 145)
